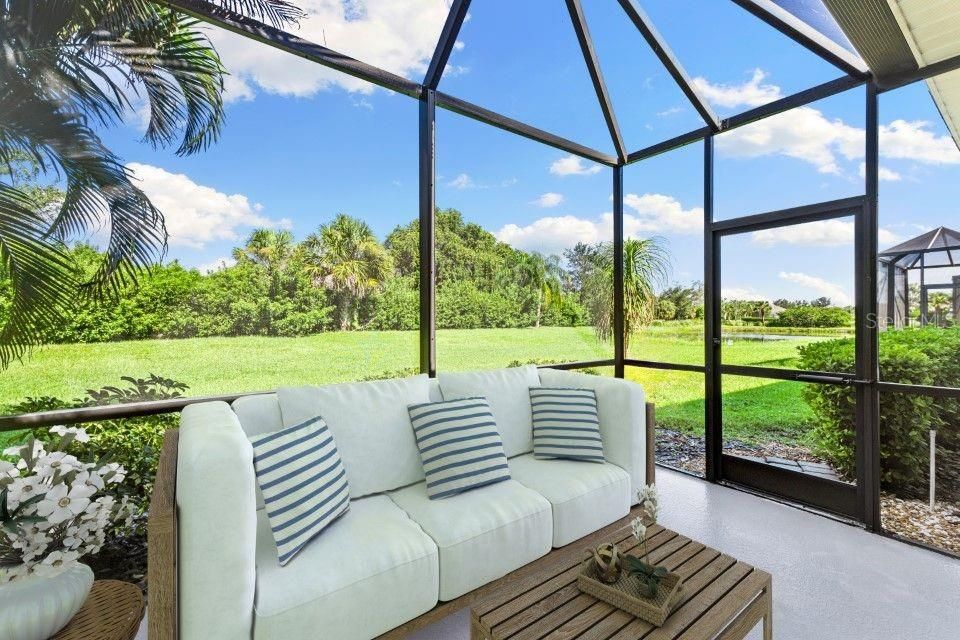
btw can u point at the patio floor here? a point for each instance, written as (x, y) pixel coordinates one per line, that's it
(831, 580)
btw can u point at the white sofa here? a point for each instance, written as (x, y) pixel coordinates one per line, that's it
(395, 554)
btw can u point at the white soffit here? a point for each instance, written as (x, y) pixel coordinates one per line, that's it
(932, 29)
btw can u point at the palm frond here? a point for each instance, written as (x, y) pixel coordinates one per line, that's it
(40, 275)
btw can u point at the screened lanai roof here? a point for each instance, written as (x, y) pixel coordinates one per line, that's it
(940, 240)
(888, 42)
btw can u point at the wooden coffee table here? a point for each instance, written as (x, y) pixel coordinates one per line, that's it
(722, 598)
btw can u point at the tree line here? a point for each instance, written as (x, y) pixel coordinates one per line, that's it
(341, 277)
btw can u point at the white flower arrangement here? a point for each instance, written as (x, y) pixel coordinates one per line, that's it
(649, 576)
(52, 507)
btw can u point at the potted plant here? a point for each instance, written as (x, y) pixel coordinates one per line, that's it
(53, 512)
(640, 567)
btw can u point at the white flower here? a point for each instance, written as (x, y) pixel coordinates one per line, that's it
(8, 470)
(49, 464)
(9, 574)
(23, 489)
(113, 472)
(57, 561)
(91, 479)
(639, 529)
(79, 434)
(62, 503)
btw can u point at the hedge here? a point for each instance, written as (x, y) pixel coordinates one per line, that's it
(927, 356)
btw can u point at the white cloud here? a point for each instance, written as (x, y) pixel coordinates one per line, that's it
(658, 213)
(752, 93)
(885, 174)
(822, 233)
(462, 181)
(835, 292)
(672, 111)
(806, 134)
(549, 200)
(573, 166)
(398, 36)
(218, 264)
(196, 214)
(655, 213)
(742, 293)
(554, 233)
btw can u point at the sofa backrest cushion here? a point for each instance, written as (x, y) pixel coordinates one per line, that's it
(508, 392)
(258, 414)
(370, 423)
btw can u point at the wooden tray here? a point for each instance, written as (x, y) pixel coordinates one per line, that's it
(624, 593)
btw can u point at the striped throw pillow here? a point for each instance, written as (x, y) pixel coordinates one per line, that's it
(303, 483)
(460, 447)
(566, 424)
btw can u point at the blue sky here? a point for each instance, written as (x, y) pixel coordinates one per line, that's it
(302, 143)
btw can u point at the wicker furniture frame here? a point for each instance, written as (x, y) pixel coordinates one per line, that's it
(162, 549)
(113, 611)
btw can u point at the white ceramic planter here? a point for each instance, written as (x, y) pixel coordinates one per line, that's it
(36, 607)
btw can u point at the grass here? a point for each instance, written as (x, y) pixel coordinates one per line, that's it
(755, 409)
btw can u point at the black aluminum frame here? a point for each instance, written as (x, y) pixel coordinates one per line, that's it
(718, 467)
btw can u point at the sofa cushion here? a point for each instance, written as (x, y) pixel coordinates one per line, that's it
(482, 535)
(460, 447)
(566, 424)
(258, 414)
(370, 571)
(622, 407)
(303, 483)
(584, 497)
(507, 392)
(370, 424)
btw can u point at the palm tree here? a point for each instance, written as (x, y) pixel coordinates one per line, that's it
(542, 274)
(346, 258)
(762, 308)
(940, 303)
(646, 267)
(68, 68)
(267, 248)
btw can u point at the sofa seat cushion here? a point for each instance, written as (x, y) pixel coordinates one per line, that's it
(368, 572)
(482, 534)
(585, 496)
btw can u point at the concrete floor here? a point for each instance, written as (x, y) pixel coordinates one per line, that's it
(830, 580)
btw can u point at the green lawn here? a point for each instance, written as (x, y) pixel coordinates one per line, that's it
(755, 408)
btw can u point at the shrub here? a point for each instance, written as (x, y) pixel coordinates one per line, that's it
(813, 317)
(398, 306)
(913, 356)
(133, 442)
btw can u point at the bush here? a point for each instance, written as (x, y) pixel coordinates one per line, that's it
(133, 442)
(813, 317)
(398, 306)
(912, 356)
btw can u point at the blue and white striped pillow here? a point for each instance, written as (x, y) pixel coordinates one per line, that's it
(566, 424)
(460, 447)
(303, 483)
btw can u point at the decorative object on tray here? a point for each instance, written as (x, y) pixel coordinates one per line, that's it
(53, 511)
(640, 588)
(608, 561)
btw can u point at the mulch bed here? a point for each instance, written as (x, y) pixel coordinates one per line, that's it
(909, 517)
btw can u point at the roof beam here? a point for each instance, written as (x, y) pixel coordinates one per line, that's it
(448, 37)
(895, 81)
(492, 118)
(806, 36)
(643, 24)
(279, 39)
(593, 66)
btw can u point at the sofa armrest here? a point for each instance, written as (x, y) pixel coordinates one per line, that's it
(623, 421)
(217, 525)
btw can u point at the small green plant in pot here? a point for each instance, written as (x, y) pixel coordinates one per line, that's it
(640, 567)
